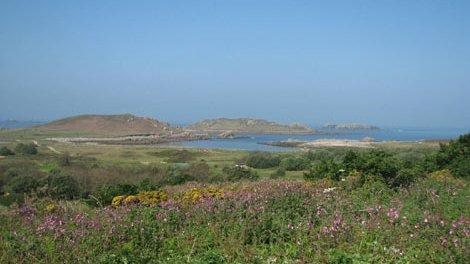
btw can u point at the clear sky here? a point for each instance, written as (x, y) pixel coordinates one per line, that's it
(381, 62)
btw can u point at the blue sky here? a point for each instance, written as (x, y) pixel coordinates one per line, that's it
(382, 62)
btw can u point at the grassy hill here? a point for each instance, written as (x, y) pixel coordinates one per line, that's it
(116, 125)
(248, 125)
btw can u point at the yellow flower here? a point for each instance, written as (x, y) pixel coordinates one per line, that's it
(443, 176)
(50, 208)
(194, 195)
(152, 197)
(131, 199)
(117, 200)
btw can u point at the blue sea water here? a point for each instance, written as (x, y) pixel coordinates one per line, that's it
(252, 141)
(18, 124)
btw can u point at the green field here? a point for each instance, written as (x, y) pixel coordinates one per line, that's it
(85, 203)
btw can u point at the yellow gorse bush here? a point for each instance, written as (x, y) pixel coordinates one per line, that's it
(144, 198)
(117, 200)
(131, 199)
(443, 176)
(152, 197)
(52, 208)
(194, 195)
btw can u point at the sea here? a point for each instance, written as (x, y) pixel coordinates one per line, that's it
(253, 142)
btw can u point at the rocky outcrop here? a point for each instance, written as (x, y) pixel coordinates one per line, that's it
(349, 126)
(248, 125)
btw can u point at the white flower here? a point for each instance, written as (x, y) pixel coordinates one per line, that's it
(327, 190)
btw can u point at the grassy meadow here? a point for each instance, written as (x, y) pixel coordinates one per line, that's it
(84, 203)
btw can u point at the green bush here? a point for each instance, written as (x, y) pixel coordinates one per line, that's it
(325, 168)
(262, 160)
(278, 173)
(61, 186)
(26, 149)
(176, 177)
(65, 159)
(22, 184)
(392, 170)
(105, 194)
(294, 163)
(240, 173)
(4, 151)
(455, 156)
(198, 171)
(147, 185)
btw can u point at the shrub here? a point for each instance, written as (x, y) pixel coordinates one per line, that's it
(326, 168)
(278, 173)
(152, 197)
(194, 195)
(143, 198)
(65, 159)
(23, 184)
(198, 171)
(318, 154)
(26, 149)
(405, 177)
(105, 194)
(240, 173)
(443, 176)
(295, 163)
(131, 199)
(176, 177)
(118, 200)
(147, 185)
(455, 156)
(4, 151)
(61, 186)
(262, 160)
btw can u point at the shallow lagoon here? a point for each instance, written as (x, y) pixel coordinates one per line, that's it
(252, 141)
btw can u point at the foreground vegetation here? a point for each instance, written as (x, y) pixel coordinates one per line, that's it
(136, 205)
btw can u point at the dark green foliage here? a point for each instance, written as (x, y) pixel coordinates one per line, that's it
(455, 156)
(148, 185)
(393, 171)
(295, 163)
(26, 149)
(325, 168)
(65, 159)
(4, 151)
(240, 173)
(23, 184)
(278, 173)
(104, 195)
(262, 160)
(176, 176)
(197, 171)
(61, 186)
(213, 257)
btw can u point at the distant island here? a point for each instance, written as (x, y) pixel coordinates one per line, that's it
(349, 126)
(116, 125)
(230, 126)
(115, 129)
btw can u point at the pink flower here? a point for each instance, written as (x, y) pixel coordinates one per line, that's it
(393, 214)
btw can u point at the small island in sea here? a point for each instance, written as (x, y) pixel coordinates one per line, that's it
(223, 126)
(349, 126)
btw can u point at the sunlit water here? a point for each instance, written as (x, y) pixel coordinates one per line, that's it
(252, 142)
